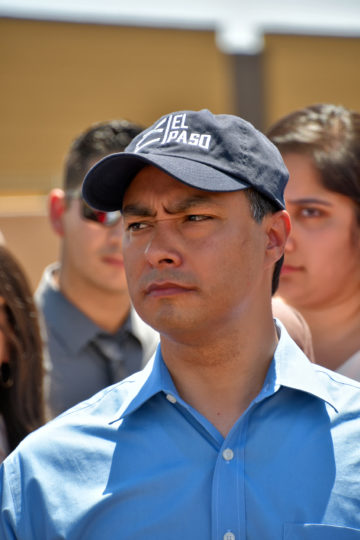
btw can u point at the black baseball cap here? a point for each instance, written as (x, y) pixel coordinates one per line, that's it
(218, 152)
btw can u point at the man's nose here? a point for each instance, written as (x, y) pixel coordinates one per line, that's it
(163, 246)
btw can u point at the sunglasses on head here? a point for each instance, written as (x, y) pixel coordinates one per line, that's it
(108, 219)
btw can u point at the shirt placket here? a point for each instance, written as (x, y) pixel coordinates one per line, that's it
(228, 492)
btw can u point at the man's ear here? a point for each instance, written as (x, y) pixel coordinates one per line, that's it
(278, 229)
(57, 207)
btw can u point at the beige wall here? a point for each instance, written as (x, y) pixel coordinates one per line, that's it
(25, 226)
(57, 78)
(32, 241)
(303, 70)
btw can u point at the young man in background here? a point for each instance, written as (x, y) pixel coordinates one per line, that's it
(94, 336)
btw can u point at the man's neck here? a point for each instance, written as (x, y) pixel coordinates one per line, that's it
(221, 378)
(106, 308)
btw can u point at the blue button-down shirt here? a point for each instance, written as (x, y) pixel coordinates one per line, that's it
(137, 462)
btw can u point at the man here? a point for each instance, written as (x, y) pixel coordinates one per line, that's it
(94, 336)
(230, 432)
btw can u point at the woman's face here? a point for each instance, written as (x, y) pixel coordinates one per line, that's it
(322, 254)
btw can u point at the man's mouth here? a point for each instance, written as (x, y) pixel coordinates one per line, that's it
(168, 288)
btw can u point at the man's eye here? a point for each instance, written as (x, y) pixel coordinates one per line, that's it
(197, 217)
(136, 226)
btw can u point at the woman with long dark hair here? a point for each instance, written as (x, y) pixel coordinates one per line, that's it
(320, 277)
(21, 365)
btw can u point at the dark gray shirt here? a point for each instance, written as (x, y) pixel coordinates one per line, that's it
(83, 358)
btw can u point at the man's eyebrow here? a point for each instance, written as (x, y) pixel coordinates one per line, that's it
(176, 208)
(137, 210)
(308, 200)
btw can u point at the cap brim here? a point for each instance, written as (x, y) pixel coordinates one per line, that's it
(105, 184)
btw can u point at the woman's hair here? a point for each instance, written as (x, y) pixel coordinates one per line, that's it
(330, 136)
(22, 402)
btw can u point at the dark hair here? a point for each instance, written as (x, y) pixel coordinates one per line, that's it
(22, 403)
(330, 136)
(94, 143)
(260, 206)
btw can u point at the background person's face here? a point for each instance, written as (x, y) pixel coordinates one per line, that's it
(322, 255)
(92, 252)
(195, 260)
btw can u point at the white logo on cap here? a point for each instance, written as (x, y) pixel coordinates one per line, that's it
(173, 128)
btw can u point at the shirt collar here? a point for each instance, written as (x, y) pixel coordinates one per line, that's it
(154, 378)
(289, 367)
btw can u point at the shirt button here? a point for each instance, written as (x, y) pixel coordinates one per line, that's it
(229, 536)
(171, 398)
(228, 454)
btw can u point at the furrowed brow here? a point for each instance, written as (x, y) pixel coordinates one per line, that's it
(137, 210)
(176, 208)
(190, 202)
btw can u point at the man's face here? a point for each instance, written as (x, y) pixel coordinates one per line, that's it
(92, 252)
(195, 260)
